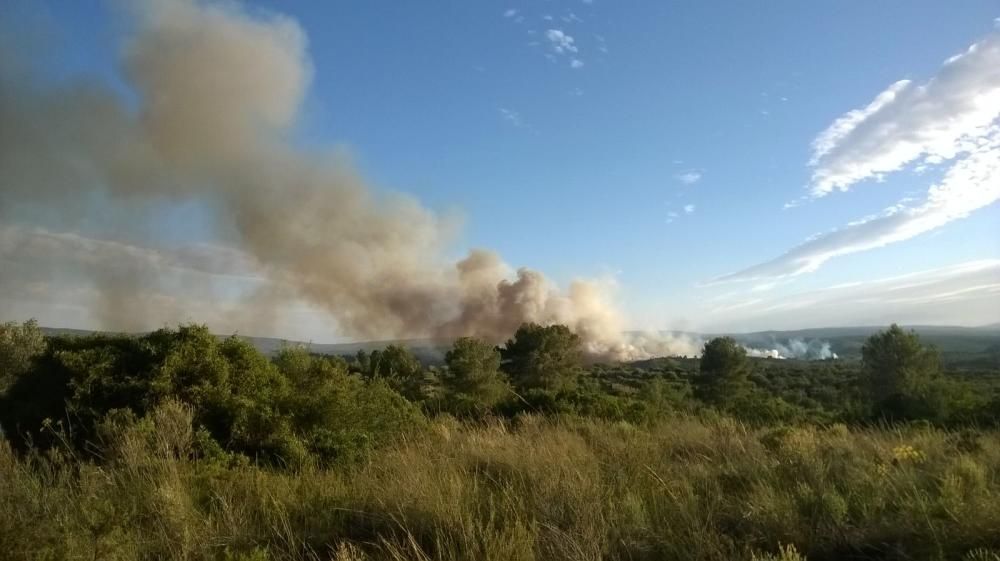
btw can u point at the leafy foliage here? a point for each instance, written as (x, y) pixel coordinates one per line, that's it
(396, 366)
(543, 357)
(19, 346)
(904, 377)
(179, 445)
(290, 410)
(473, 378)
(723, 372)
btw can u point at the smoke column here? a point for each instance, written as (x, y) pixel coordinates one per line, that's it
(215, 93)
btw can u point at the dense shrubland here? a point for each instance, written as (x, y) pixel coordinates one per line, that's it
(179, 445)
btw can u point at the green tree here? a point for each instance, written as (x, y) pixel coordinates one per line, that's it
(19, 346)
(398, 367)
(902, 373)
(547, 358)
(724, 371)
(473, 378)
(339, 415)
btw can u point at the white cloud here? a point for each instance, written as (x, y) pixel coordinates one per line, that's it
(952, 118)
(512, 117)
(561, 43)
(689, 177)
(510, 13)
(688, 209)
(576, 63)
(963, 294)
(972, 183)
(933, 122)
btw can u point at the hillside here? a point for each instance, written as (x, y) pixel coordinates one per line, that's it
(972, 347)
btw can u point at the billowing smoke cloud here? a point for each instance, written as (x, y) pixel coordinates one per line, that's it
(214, 96)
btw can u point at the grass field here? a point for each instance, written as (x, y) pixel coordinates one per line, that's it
(531, 488)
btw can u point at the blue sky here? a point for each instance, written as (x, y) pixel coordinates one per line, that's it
(656, 143)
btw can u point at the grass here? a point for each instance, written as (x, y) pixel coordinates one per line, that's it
(531, 489)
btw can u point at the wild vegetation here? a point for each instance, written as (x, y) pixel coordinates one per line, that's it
(180, 445)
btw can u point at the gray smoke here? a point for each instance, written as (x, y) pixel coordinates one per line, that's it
(214, 96)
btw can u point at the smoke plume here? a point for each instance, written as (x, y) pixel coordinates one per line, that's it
(213, 97)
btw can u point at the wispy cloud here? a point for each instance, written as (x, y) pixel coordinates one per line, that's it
(576, 63)
(510, 13)
(602, 44)
(673, 215)
(970, 184)
(933, 122)
(964, 294)
(19, 243)
(689, 177)
(204, 282)
(953, 117)
(512, 117)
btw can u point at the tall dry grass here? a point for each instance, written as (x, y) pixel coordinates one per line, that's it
(532, 489)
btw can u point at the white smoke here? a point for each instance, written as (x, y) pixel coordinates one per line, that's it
(813, 349)
(764, 353)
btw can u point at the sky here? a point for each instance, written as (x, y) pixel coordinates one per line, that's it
(723, 166)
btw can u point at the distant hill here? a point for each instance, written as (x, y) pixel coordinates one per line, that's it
(427, 350)
(968, 346)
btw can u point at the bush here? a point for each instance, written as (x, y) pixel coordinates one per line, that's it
(20, 345)
(290, 411)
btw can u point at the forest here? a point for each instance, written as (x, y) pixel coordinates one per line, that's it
(178, 444)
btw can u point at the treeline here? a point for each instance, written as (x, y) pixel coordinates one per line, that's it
(179, 445)
(297, 407)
